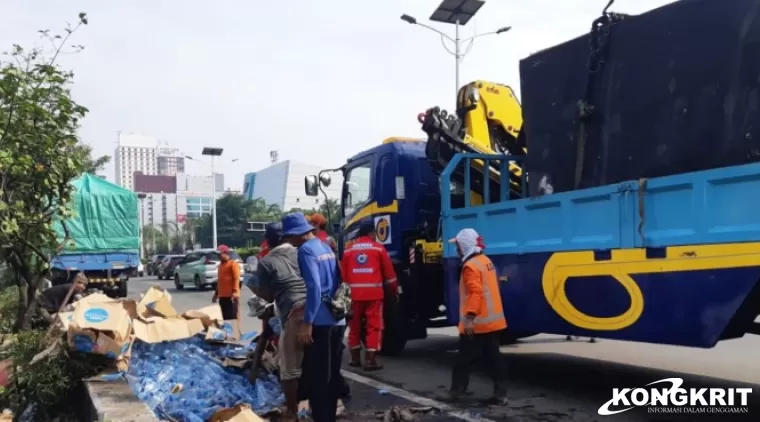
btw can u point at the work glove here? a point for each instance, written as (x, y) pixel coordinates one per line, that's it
(469, 325)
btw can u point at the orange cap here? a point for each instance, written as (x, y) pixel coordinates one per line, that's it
(318, 219)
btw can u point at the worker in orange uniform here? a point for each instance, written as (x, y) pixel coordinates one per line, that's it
(367, 269)
(227, 284)
(481, 319)
(320, 224)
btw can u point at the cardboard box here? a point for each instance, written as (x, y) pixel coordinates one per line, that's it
(239, 413)
(103, 316)
(101, 343)
(156, 302)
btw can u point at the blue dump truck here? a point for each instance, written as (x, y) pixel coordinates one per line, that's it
(104, 237)
(619, 202)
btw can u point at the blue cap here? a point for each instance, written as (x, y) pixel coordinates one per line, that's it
(273, 234)
(295, 224)
(366, 227)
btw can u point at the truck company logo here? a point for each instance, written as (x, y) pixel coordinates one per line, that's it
(383, 229)
(677, 400)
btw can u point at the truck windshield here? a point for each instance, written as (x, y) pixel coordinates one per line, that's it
(357, 188)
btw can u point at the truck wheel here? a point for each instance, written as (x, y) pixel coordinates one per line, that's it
(394, 335)
(198, 284)
(177, 284)
(123, 288)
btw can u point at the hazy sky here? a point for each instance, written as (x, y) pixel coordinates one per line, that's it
(316, 80)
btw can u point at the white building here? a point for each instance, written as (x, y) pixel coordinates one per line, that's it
(134, 153)
(283, 184)
(169, 161)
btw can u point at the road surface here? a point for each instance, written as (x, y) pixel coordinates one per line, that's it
(550, 379)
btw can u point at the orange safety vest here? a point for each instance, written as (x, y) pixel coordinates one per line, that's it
(479, 295)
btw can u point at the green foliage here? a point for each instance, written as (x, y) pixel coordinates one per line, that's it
(245, 252)
(8, 308)
(40, 154)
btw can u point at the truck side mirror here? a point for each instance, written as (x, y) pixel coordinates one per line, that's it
(325, 179)
(311, 185)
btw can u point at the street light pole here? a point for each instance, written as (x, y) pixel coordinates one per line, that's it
(457, 58)
(143, 249)
(458, 13)
(213, 152)
(213, 202)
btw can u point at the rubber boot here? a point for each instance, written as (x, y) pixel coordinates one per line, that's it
(356, 358)
(372, 364)
(290, 390)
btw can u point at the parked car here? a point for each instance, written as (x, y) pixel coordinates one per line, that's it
(199, 268)
(155, 261)
(166, 269)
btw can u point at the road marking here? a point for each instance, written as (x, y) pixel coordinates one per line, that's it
(422, 401)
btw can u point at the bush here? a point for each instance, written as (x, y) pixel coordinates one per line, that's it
(48, 383)
(246, 252)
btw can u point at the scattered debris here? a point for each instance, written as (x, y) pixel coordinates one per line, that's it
(405, 414)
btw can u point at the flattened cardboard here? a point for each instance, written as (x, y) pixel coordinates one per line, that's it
(156, 302)
(157, 329)
(209, 315)
(239, 413)
(103, 316)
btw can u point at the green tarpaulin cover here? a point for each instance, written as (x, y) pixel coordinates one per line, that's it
(105, 218)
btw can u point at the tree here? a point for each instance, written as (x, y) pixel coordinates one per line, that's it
(91, 165)
(40, 154)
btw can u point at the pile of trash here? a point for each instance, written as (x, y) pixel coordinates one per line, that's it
(175, 363)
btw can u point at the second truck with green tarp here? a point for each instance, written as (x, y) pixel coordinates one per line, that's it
(103, 236)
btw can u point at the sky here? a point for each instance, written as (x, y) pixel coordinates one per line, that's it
(318, 81)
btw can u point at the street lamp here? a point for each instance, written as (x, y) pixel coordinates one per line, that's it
(213, 152)
(458, 13)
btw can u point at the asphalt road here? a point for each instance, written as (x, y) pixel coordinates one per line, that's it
(550, 379)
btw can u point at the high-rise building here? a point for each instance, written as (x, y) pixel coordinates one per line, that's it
(173, 199)
(282, 184)
(169, 161)
(134, 153)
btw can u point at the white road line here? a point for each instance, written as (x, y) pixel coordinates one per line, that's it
(422, 401)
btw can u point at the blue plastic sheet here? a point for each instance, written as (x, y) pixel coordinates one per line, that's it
(207, 386)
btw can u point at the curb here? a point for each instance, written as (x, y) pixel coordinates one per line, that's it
(114, 401)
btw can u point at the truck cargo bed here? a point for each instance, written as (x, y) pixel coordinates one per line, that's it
(678, 92)
(673, 260)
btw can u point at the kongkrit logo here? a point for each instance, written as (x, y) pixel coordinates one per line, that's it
(678, 400)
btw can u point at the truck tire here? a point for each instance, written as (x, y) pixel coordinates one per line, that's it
(123, 288)
(394, 335)
(177, 284)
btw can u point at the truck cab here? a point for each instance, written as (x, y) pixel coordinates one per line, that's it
(394, 186)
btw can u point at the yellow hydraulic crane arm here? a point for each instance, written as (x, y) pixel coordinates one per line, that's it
(488, 121)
